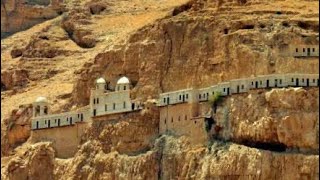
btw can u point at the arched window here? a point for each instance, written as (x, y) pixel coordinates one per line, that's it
(37, 110)
(45, 110)
(179, 97)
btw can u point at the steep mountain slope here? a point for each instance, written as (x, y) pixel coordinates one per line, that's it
(163, 46)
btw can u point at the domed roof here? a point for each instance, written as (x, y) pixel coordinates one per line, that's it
(41, 99)
(101, 81)
(123, 80)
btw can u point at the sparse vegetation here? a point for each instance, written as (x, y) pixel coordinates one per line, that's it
(215, 99)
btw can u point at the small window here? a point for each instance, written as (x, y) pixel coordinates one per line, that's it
(224, 89)
(292, 80)
(45, 122)
(186, 117)
(260, 82)
(304, 50)
(97, 100)
(114, 106)
(78, 115)
(179, 97)
(313, 80)
(252, 83)
(296, 49)
(165, 121)
(207, 95)
(94, 100)
(172, 119)
(124, 87)
(124, 105)
(195, 122)
(313, 50)
(179, 118)
(242, 86)
(302, 80)
(199, 96)
(55, 120)
(164, 100)
(67, 119)
(70, 118)
(280, 81)
(186, 96)
(212, 92)
(106, 107)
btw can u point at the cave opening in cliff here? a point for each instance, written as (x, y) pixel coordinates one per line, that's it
(248, 26)
(209, 122)
(3, 87)
(277, 147)
(181, 9)
(226, 31)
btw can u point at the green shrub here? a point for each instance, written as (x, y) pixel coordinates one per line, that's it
(215, 99)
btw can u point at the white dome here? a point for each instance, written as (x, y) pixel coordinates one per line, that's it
(41, 99)
(123, 80)
(101, 81)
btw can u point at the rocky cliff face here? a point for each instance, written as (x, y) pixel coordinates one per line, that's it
(163, 46)
(17, 15)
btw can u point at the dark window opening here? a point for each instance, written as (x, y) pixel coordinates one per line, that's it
(242, 86)
(303, 50)
(302, 80)
(124, 87)
(280, 81)
(313, 50)
(179, 97)
(70, 120)
(187, 96)
(296, 49)
(81, 117)
(132, 106)
(179, 118)
(45, 110)
(58, 122)
(267, 83)
(238, 89)
(292, 80)
(94, 112)
(168, 100)
(195, 122)
(183, 98)
(94, 100)
(124, 105)
(307, 82)
(106, 107)
(224, 89)
(256, 84)
(37, 125)
(172, 119)
(186, 118)
(165, 121)
(114, 106)
(48, 123)
(97, 100)
(164, 100)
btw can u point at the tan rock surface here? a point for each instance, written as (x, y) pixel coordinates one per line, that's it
(163, 46)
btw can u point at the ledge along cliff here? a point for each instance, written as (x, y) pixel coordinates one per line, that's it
(58, 49)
